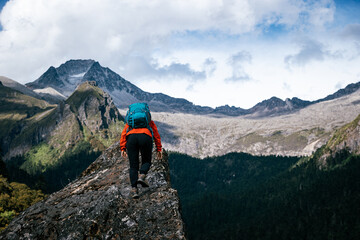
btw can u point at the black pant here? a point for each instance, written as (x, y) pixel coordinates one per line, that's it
(134, 144)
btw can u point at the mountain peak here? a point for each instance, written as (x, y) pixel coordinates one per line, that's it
(90, 100)
(49, 79)
(230, 111)
(73, 67)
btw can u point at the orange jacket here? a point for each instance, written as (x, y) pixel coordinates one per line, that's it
(155, 135)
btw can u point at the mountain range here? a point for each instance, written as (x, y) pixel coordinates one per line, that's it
(64, 79)
(298, 133)
(292, 127)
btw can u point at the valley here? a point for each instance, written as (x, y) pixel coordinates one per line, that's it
(241, 196)
(295, 134)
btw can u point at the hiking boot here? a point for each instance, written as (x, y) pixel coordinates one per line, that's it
(142, 181)
(134, 193)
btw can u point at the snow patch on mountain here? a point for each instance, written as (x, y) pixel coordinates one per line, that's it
(51, 91)
(76, 78)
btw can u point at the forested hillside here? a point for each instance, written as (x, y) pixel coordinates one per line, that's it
(239, 196)
(55, 176)
(14, 197)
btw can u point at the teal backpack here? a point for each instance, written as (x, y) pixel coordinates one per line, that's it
(138, 116)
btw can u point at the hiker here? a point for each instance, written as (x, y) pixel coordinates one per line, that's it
(137, 136)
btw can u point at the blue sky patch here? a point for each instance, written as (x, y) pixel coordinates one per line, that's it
(2, 4)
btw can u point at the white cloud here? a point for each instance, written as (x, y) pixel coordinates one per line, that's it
(150, 43)
(237, 62)
(352, 32)
(310, 50)
(50, 32)
(209, 66)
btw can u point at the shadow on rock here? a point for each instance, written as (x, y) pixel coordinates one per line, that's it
(166, 133)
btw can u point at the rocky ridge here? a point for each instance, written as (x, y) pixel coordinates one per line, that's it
(97, 206)
(19, 87)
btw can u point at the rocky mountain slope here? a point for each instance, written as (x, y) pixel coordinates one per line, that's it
(67, 76)
(345, 141)
(48, 94)
(297, 134)
(17, 112)
(97, 206)
(88, 113)
(50, 146)
(7, 82)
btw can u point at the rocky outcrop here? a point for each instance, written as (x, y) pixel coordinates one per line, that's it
(19, 87)
(94, 107)
(345, 139)
(97, 206)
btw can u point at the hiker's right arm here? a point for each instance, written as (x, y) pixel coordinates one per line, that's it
(123, 138)
(156, 136)
(124, 154)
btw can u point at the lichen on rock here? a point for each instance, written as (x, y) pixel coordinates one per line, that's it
(97, 205)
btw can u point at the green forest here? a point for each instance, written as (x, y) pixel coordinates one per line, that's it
(56, 176)
(235, 196)
(239, 196)
(14, 197)
(18, 183)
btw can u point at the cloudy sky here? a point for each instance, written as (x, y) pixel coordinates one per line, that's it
(235, 52)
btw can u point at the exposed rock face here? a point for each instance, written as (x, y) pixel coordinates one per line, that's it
(65, 78)
(346, 138)
(94, 107)
(97, 206)
(18, 112)
(17, 86)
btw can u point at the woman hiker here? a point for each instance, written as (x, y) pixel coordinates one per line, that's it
(137, 136)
